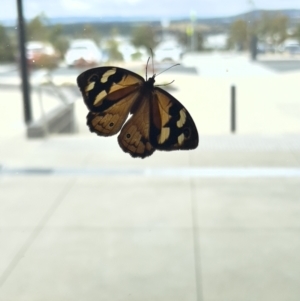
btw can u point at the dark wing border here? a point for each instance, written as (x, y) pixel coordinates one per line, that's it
(174, 111)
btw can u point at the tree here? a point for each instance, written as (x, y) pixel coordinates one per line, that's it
(297, 33)
(36, 29)
(112, 46)
(58, 40)
(238, 35)
(113, 52)
(144, 36)
(89, 32)
(184, 39)
(6, 48)
(39, 30)
(272, 29)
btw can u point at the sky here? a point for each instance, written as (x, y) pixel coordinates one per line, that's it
(139, 8)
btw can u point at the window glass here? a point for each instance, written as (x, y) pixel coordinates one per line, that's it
(149, 150)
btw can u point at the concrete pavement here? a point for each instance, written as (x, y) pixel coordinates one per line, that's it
(79, 219)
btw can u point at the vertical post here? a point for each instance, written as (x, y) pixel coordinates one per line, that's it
(193, 17)
(23, 65)
(253, 47)
(252, 38)
(233, 109)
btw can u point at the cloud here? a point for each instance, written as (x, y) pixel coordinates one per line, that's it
(128, 1)
(76, 5)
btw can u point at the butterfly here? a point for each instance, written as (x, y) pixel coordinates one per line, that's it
(158, 121)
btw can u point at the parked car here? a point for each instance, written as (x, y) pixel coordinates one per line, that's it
(41, 55)
(131, 53)
(292, 49)
(168, 51)
(83, 52)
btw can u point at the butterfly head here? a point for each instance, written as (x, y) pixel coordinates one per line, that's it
(150, 81)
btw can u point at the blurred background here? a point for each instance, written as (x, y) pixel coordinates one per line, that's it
(58, 37)
(80, 219)
(223, 48)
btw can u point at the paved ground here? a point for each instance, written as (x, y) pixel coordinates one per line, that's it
(79, 219)
(282, 66)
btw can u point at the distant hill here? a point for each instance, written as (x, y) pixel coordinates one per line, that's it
(292, 14)
(89, 20)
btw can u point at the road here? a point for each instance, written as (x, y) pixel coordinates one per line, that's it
(282, 66)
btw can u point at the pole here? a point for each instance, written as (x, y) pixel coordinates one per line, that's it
(193, 17)
(252, 37)
(23, 65)
(233, 109)
(253, 47)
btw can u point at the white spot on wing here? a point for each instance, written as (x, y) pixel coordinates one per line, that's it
(107, 74)
(90, 87)
(164, 135)
(180, 139)
(182, 118)
(99, 98)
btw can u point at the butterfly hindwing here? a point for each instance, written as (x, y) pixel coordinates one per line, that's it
(172, 127)
(110, 121)
(134, 136)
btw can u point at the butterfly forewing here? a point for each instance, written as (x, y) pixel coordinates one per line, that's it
(102, 87)
(109, 93)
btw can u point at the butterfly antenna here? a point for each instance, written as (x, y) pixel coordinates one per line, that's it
(152, 61)
(167, 69)
(147, 66)
(166, 84)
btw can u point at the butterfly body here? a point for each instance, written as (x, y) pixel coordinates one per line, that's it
(157, 121)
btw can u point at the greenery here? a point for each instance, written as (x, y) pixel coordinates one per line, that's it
(184, 39)
(36, 29)
(272, 29)
(7, 48)
(88, 31)
(297, 33)
(58, 40)
(238, 35)
(144, 36)
(39, 30)
(113, 52)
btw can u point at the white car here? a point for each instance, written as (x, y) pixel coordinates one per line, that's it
(168, 51)
(292, 49)
(131, 53)
(40, 53)
(83, 53)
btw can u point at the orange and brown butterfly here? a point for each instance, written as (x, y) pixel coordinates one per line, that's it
(158, 121)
